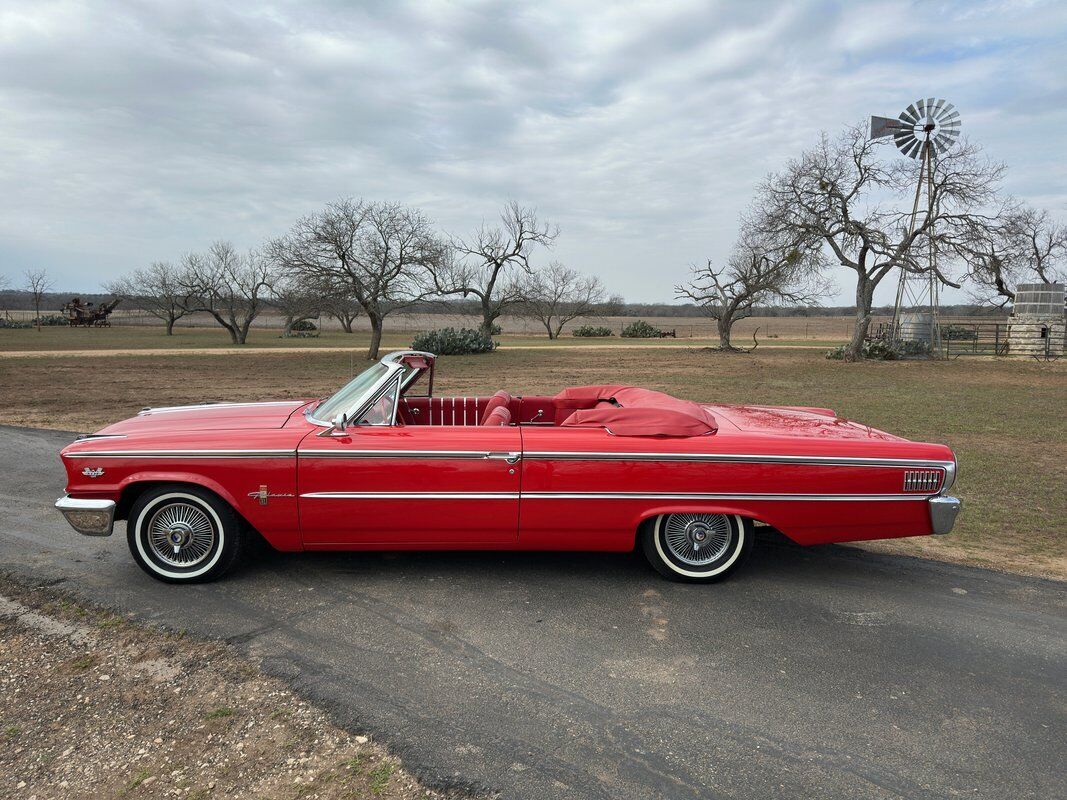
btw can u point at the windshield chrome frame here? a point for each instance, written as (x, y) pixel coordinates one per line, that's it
(392, 362)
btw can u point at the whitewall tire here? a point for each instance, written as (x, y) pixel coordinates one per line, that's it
(699, 548)
(183, 534)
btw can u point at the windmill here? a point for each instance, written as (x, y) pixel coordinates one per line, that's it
(924, 130)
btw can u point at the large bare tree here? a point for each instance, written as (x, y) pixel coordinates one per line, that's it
(859, 207)
(232, 287)
(1027, 245)
(37, 284)
(555, 295)
(159, 289)
(763, 270)
(380, 254)
(492, 264)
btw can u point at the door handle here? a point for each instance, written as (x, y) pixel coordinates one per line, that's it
(511, 458)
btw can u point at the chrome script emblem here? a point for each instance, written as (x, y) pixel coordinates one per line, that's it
(93, 472)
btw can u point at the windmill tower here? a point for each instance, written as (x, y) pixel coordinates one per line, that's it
(923, 131)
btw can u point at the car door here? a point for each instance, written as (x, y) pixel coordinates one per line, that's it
(410, 486)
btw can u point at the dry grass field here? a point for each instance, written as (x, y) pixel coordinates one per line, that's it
(1005, 419)
(145, 331)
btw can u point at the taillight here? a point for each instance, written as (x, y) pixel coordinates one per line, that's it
(922, 480)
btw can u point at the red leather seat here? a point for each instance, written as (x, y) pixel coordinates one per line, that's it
(499, 400)
(498, 416)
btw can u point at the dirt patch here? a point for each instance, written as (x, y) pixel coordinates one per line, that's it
(94, 706)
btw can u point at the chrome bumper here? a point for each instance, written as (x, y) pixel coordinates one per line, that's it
(943, 511)
(90, 517)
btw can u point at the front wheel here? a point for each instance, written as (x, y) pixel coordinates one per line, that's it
(183, 534)
(699, 548)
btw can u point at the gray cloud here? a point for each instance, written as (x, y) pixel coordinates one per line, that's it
(132, 132)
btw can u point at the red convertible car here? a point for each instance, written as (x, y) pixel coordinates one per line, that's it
(385, 465)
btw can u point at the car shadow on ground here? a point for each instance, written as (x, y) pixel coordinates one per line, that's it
(774, 557)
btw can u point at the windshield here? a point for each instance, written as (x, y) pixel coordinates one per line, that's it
(351, 395)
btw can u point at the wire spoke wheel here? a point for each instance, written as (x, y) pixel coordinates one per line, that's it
(181, 534)
(697, 539)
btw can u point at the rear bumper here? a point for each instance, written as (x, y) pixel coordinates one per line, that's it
(943, 511)
(89, 517)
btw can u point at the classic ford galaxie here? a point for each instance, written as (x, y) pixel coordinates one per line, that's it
(385, 465)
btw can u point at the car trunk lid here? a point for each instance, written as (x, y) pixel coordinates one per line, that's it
(807, 422)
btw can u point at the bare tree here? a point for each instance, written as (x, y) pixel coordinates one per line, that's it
(382, 254)
(159, 289)
(555, 295)
(232, 287)
(761, 271)
(342, 307)
(37, 284)
(492, 263)
(612, 307)
(831, 194)
(296, 300)
(1027, 245)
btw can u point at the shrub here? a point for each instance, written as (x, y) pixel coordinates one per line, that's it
(882, 350)
(54, 320)
(495, 329)
(14, 324)
(640, 330)
(591, 330)
(453, 342)
(303, 325)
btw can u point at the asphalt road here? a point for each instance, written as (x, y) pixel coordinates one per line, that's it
(824, 672)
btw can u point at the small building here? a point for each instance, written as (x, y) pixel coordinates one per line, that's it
(1037, 325)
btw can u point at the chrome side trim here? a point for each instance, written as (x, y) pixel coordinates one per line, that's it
(183, 454)
(88, 517)
(168, 409)
(427, 454)
(741, 458)
(411, 495)
(606, 496)
(720, 496)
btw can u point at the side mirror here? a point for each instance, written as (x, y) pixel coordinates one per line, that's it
(337, 426)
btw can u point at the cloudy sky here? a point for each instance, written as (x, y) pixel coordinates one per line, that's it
(134, 131)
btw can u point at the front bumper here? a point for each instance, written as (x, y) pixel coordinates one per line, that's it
(90, 517)
(943, 511)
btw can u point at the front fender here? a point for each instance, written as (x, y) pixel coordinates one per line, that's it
(276, 520)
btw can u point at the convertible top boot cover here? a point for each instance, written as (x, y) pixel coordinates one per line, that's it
(631, 411)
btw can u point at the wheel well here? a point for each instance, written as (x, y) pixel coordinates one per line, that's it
(131, 492)
(650, 520)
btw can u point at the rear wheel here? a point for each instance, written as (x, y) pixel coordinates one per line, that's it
(183, 534)
(700, 548)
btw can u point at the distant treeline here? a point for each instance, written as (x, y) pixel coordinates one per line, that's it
(14, 300)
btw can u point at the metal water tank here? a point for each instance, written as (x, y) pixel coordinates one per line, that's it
(916, 327)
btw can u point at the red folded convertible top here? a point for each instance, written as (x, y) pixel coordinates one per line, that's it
(631, 411)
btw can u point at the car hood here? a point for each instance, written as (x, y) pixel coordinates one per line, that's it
(796, 421)
(210, 416)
